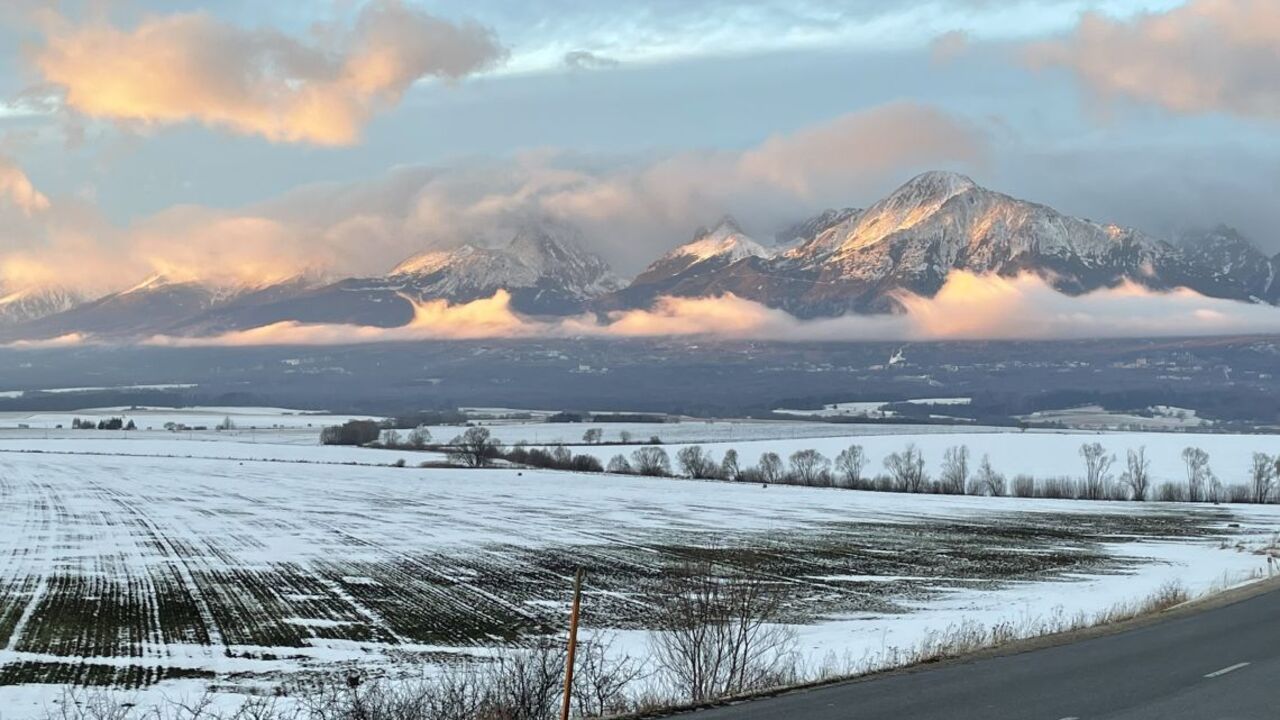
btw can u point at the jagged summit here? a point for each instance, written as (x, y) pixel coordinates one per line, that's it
(543, 266)
(940, 222)
(836, 262)
(725, 240)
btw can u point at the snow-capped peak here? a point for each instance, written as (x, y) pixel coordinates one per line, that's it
(542, 256)
(431, 261)
(918, 199)
(31, 303)
(160, 280)
(726, 240)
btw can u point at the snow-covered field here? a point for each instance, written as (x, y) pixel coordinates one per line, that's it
(699, 431)
(171, 562)
(149, 418)
(871, 408)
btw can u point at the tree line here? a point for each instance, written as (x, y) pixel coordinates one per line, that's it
(1101, 477)
(114, 423)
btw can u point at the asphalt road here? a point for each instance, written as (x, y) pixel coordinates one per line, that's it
(1221, 663)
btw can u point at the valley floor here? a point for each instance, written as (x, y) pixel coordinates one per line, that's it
(163, 563)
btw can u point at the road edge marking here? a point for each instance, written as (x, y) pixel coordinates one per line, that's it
(1225, 670)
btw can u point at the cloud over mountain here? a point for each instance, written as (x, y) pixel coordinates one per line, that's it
(628, 209)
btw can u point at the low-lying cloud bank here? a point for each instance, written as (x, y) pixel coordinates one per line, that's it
(968, 307)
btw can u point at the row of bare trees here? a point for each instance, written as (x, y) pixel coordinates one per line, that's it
(905, 471)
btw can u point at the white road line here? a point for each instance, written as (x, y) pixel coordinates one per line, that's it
(1225, 670)
(1070, 717)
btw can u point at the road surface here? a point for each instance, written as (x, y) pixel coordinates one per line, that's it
(1221, 663)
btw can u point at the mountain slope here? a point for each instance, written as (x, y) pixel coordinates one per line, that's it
(543, 267)
(23, 306)
(684, 270)
(1238, 266)
(155, 303)
(939, 222)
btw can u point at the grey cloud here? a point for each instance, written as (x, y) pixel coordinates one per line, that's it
(587, 60)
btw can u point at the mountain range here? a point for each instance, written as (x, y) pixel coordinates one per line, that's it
(839, 261)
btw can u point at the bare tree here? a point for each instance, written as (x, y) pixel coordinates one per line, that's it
(527, 684)
(718, 636)
(1196, 462)
(695, 462)
(593, 436)
(1137, 474)
(651, 461)
(955, 470)
(561, 456)
(810, 467)
(419, 437)
(986, 481)
(1262, 475)
(391, 439)
(907, 469)
(601, 679)
(625, 436)
(618, 464)
(1097, 470)
(770, 467)
(729, 469)
(473, 448)
(850, 463)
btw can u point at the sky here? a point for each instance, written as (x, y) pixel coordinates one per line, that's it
(242, 141)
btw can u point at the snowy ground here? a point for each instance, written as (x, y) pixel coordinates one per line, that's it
(190, 560)
(701, 431)
(149, 418)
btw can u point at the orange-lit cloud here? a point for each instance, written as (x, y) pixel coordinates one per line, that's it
(432, 320)
(68, 340)
(1204, 56)
(195, 67)
(16, 189)
(870, 143)
(968, 307)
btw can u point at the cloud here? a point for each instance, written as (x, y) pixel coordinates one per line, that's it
(321, 90)
(972, 306)
(1204, 56)
(587, 60)
(949, 46)
(969, 307)
(628, 209)
(872, 143)
(61, 341)
(16, 189)
(432, 320)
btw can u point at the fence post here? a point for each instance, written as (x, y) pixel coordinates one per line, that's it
(573, 645)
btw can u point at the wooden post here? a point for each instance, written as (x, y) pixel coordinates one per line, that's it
(573, 645)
